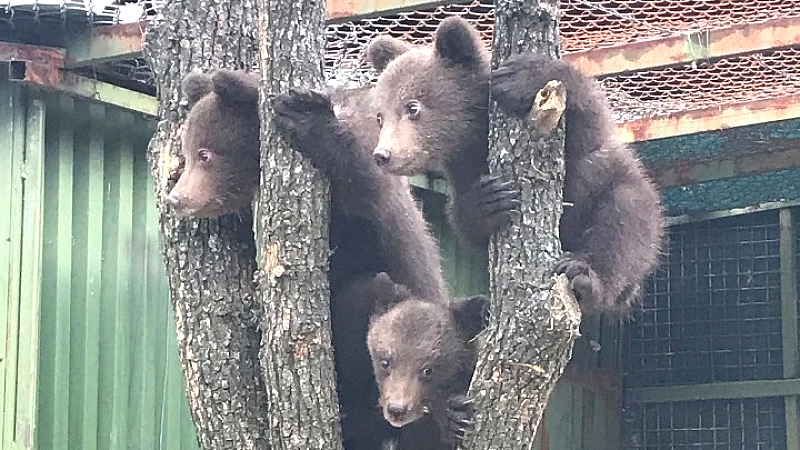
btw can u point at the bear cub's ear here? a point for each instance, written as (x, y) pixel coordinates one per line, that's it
(386, 293)
(236, 86)
(195, 86)
(457, 41)
(471, 314)
(384, 49)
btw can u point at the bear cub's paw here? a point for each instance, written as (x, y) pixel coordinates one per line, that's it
(491, 200)
(460, 414)
(583, 280)
(299, 111)
(512, 89)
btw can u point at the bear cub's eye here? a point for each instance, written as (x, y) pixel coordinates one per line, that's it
(426, 373)
(379, 117)
(385, 364)
(204, 155)
(413, 108)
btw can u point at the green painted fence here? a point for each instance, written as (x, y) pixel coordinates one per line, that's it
(106, 372)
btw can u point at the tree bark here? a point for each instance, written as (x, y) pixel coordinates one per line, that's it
(210, 263)
(292, 239)
(533, 322)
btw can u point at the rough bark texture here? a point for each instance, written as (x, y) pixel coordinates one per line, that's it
(210, 262)
(533, 323)
(292, 240)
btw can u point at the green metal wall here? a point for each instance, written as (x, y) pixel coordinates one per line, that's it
(21, 176)
(108, 367)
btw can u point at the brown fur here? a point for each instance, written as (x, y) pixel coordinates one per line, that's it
(225, 182)
(612, 232)
(422, 355)
(376, 226)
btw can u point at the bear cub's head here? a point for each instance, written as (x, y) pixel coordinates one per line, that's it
(422, 353)
(432, 102)
(220, 145)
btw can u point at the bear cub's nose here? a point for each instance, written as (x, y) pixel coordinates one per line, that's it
(396, 410)
(174, 199)
(382, 156)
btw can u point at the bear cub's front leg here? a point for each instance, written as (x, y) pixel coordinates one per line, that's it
(306, 118)
(483, 209)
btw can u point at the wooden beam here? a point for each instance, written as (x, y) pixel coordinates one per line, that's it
(791, 354)
(687, 47)
(713, 118)
(54, 79)
(715, 391)
(105, 44)
(719, 214)
(769, 158)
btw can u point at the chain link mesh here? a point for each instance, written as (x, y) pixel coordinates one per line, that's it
(585, 24)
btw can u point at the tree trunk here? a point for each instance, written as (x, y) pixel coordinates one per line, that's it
(533, 323)
(292, 239)
(210, 263)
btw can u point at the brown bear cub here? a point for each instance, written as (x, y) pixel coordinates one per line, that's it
(220, 172)
(423, 355)
(376, 226)
(375, 223)
(433, 109)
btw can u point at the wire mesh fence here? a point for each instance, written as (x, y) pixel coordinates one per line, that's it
(712, 313)
(753, 424)
(584, 25)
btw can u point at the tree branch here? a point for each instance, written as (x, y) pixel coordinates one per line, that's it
(209, 263)
(292, 217)
(534, 317)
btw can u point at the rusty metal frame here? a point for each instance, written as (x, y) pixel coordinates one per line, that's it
(770, 157)
(124, 41)
(105, 44)
(711, 119)
(685, 48)
(43, 67)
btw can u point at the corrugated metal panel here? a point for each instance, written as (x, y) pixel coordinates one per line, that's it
(21, 176)
(108, 366)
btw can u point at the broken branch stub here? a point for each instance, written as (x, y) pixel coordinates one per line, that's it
(548, 107)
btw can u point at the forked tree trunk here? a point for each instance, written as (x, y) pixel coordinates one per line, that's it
(210, 263)
(292, 240)
(533, 324)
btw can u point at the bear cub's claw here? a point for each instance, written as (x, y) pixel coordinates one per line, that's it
(299, 111)
(459, 417)
(582, 278)
(493, 200)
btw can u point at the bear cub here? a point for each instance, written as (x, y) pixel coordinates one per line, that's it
(375, 227)
(219, 143)
(375, 223)
(433, 111)
(423, 355)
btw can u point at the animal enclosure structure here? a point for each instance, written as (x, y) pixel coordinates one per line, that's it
(708, 92)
